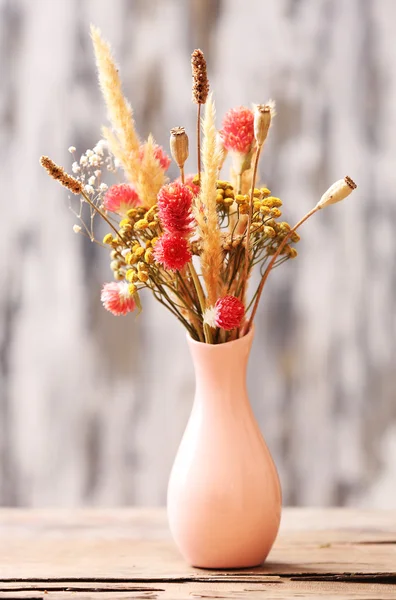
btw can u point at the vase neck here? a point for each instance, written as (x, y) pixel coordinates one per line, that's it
(220, 369)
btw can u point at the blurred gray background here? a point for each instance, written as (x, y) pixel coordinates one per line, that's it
(92, 407)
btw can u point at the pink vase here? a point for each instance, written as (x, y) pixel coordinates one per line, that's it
(224, 496)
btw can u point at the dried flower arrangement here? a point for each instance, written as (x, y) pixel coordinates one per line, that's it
(195, 241)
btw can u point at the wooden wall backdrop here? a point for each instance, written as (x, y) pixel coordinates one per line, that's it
(92, 408)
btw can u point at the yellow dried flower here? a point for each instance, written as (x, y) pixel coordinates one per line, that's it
(286, 249)
(108, 238)
(119, 275)
(244, 209)
(148, 256)
(256, 205)
(153, 225)
(223, 184)
(124, 223)
(284, 226)
(256, 226)
(131, 213)
(295, 237)
(228, 201)
(196, 179)
(129, 258)
(265, 191)
(154, 240)
(269, 231)
(272, 202)
(130, 275)
(256, 192)
(132, 289)
(293, 253)
(143, 276)
(138, 251)
(115, 265)
(219, 199)
(229, 193)
(276, 213)
(241, 198)
(141, 224)
(265, 210)
(272, 223)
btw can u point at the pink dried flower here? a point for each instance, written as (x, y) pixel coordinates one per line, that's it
(227, 313)
(189, 182)
(120, 198)
(174, 208)
(238, 130)
(117, 299)
(172, 251)
(159, 153)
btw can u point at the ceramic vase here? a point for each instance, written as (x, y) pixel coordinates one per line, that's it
(224, 496)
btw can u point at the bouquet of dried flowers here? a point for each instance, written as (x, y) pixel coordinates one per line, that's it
(195, 241)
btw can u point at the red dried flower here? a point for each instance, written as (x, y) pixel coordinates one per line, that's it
(174, 208)
(120, 198)
(159, 153)
(227, 313)
(117, 299)
(172, 251)
(238, 130)
(189, 182)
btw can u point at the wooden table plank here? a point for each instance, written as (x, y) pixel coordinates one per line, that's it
(128, 553)
(135, 545)
(183, 591)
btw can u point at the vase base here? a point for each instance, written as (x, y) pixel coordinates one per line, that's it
(229, 568)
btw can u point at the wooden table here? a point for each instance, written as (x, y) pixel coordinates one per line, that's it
(127, 553)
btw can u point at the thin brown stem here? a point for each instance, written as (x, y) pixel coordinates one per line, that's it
(264, 278)
(199, 142)
(247, 249)
(87, 199)
(201, 297)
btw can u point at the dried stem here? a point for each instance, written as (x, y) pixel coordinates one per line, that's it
(201, 297)
(248, 324)
(104, 217)
(249, 222)
(199, 143)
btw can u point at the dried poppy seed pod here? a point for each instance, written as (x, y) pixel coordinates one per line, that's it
(262, 122)
(179, 145)
(337, 192)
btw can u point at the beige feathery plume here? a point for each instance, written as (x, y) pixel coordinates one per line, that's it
(151, 175)
(206, 211)
(124, 143)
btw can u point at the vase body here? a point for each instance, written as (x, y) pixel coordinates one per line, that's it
(224, 496)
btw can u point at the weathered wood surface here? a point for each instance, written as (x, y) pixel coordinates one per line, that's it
(126, 553)
(92, 408)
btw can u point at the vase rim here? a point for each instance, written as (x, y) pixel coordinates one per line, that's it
(246, 338)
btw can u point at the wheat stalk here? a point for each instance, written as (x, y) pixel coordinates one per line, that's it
(206, 210)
